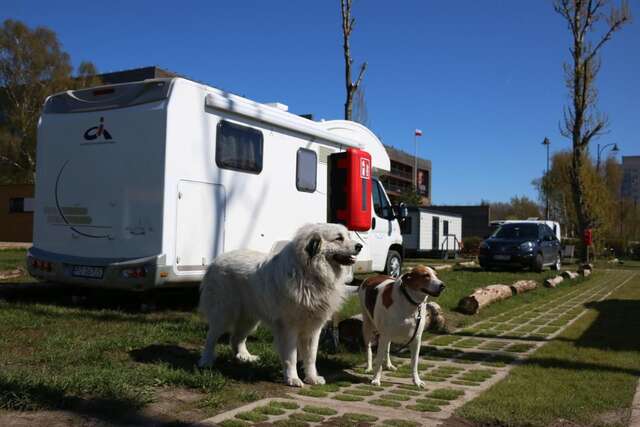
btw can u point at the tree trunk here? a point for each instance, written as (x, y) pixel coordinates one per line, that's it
(482, 297)
(436, 321)
(522, 286)
(570, 275)
(553, 282)
(579, 199)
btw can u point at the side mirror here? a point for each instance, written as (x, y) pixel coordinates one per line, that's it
(401, 211)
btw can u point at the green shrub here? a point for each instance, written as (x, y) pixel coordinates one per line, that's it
(470, 245)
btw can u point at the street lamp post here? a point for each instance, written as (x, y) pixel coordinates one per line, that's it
(615, 149)
(546, 178)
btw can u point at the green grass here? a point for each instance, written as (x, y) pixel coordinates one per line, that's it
(400, 423)
(359, 418)
(234, 423)
(348, 397)
(319, 410)
(585, 375)
(290, 423)
(424, 407)
(13, 258)
(446, 393)
(253, 416)
(284, 404)
(307, 417)
(357, 392)
(398, 397)
(385, 402)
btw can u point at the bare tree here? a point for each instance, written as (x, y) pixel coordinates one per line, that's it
(348, 23)
(581, 120)
(360, 112)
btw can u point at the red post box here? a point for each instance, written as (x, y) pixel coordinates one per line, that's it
(588, 237)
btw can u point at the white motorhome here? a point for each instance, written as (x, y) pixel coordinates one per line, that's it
(142, 184)
(430, 231)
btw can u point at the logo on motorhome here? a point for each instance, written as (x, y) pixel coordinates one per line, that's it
(97, 131)
(365, 168)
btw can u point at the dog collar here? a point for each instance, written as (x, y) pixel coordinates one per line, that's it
(407, 296)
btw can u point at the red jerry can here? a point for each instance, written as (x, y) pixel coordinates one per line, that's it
(350, 189)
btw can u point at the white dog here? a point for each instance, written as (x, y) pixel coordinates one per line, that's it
(293, 291)
(394, 310)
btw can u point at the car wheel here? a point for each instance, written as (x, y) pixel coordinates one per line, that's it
(558, 264)
(393, 266)
(538, 263)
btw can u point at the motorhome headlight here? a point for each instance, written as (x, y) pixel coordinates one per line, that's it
(526, 246)
(134, 272)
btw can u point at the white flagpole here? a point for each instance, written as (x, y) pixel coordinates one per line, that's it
(415, 162)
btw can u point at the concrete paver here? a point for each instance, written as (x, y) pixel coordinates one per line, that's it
(456, 367)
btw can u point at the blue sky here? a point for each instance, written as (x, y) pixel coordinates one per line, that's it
(483, 80)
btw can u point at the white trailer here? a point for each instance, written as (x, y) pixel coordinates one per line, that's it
(429, 231)
(142, 184)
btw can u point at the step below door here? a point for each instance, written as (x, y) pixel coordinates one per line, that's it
(200, 231)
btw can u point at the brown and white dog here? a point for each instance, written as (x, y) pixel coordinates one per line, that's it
(394, 311)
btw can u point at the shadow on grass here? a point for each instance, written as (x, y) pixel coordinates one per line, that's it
(614, 330)
(616, 327)
(268, 368)
(578, 366)
(20, 396)
(180, 299)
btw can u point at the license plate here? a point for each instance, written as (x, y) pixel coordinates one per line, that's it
(86, 271)
(502, 257)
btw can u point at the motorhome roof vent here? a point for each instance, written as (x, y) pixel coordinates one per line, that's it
(278, 105)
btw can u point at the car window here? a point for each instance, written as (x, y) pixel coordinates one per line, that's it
(517, 231)
(548, 232)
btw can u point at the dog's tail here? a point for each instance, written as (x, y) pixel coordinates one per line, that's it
(205, 291)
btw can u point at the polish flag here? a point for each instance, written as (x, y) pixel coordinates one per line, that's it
(418, 132)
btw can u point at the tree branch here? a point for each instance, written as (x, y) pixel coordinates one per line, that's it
(363, 68)
(13, 163)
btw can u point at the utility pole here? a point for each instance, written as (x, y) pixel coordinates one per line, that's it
(546, 179)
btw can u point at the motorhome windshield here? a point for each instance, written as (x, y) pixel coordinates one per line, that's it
(517, 231)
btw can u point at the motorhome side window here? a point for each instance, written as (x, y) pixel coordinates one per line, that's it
(238, 147)
(306, 170)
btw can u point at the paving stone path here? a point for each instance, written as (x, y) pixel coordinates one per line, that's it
(456, 367)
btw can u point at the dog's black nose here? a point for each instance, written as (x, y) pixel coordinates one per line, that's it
(358, 248)
(442, 286)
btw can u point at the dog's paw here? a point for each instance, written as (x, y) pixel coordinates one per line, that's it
(246, 357)
(419, 383)
(315, 380)
(294, 382)
(391, 367)
(376, 382)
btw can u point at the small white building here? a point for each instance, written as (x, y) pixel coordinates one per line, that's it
(430, 231)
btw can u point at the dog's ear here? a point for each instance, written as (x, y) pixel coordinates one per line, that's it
(313, 246)
(405, 276)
